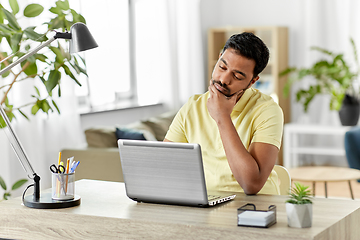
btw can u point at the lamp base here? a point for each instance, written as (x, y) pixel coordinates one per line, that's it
(46, 202)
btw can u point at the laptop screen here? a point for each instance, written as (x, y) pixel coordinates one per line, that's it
(163, 172)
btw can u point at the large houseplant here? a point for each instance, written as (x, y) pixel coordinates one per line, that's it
(299, 207)
(333, 77)
(44, 70)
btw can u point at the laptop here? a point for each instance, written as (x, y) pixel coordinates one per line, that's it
(166, 173)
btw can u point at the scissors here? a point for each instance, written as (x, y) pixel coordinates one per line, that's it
(60, 169)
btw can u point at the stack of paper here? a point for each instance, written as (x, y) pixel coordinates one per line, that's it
(256, 218)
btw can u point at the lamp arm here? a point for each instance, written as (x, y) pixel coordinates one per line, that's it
(16, 145)
(20, 153)
(27, 55)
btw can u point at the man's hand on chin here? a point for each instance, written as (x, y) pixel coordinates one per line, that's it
(219, 105)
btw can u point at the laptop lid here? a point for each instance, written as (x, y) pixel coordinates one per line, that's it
(163, 172)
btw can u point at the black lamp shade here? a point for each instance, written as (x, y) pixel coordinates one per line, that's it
(81, 38)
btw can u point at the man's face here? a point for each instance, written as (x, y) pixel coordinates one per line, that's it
(233, 73)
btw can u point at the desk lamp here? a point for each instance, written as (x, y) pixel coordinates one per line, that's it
(80, 40)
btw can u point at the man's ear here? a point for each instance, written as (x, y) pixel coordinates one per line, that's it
(221, 53)
(254, 80)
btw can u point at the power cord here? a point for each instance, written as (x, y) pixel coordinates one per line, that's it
(23, 196)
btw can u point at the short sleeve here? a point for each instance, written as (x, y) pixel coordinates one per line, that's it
(269, 125)
(176, 132)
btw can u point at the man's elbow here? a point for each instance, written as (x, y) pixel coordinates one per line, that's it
(251, 189)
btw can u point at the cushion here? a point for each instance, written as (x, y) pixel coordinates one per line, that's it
(143, 128)
(160, 125)
(102, 137)
(125, 133)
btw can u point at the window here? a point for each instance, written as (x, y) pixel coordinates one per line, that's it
(108, 66)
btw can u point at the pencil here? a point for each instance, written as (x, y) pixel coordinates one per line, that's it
(58, 187)
(59, 159)
(67, 172)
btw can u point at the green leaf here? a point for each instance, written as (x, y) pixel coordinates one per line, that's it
(7, 195)
(14, 6)
(5, 28)
(53, 80)
(299, 194)
(24, 115)
(55, 105)
(70, 74)
(37, 91)
(64, 5)
(12, 20)
(19, 184)
(33, 10)
(77, 17)
(55, 10)
(59, 91)
(15, 42)
(40, 57)
(35, 109)
(45, 106)
(31, 70)
(2, 183)
(59, 56)
(2, 15)
(30, 33)
(77, 68)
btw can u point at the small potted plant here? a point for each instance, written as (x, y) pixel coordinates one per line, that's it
(299, 207)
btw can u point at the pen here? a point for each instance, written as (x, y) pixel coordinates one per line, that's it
(74, 166)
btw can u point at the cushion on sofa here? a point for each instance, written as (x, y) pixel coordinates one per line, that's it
(152, 129)
(125, 133)
(102, 137)
(148, 133)
(160, 124)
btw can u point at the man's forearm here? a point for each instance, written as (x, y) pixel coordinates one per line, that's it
(243, 165)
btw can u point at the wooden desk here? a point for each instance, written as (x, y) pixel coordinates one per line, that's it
(324, 174)
(106, 213)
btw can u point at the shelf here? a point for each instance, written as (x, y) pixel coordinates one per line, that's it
(318, 151)
(292, 144)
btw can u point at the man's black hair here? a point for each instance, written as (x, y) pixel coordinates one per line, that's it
(250, 46)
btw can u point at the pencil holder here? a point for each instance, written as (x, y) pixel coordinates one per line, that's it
(63, 186)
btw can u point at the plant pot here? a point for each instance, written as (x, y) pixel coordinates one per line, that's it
(349, 112)
(299, 215)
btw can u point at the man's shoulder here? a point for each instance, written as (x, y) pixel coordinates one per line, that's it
(198, 97)
(264, 99)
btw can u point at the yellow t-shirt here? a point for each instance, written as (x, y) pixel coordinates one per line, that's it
(256, 117)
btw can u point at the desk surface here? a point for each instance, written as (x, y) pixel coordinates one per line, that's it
(106, 213)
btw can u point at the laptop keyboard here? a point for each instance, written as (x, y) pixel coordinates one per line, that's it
(213, 197)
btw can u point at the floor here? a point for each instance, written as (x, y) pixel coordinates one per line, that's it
(336, 189)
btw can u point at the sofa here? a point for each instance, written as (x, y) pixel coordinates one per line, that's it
(100, 159)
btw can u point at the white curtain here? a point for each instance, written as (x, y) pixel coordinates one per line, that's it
(186, 45)
(328, 24)
(169, 51)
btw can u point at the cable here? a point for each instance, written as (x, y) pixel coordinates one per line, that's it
(23, 196)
